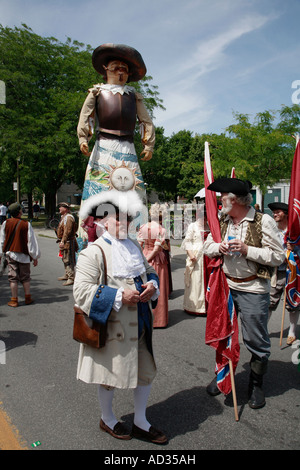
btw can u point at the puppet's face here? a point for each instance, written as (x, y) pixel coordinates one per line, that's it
(117, 72)
(122, 179)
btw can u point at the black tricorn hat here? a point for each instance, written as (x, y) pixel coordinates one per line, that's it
(278, 206)
(107, 52)
(231, 185)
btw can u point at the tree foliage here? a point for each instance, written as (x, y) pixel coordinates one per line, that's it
(261, 151)
(46, 84)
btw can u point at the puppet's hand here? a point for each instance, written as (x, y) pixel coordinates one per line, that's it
(148, 155)
(85, 149)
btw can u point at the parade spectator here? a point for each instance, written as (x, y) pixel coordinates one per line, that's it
(123, 304)
(8, 213)
(19, 244)
(257, 207)
(3, 211)
(280, 214)
(250, 247)
(36, 210)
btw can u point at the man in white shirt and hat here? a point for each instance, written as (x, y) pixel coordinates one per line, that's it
(251, 248)
(280, 214)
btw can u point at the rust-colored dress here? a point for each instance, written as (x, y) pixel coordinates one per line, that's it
(152, 236)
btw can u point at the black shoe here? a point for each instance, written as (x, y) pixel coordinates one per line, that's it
(257, 398)
(119, 431)
(153, 435)
(212, 388)
(255, 392)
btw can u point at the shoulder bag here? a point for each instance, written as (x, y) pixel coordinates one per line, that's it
(87, 331)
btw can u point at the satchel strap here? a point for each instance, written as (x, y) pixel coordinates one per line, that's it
(104, 262)
(78, 309)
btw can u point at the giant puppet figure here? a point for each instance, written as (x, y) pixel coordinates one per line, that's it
(112, 109)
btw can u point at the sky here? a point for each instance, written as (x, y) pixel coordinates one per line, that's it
(208, 58)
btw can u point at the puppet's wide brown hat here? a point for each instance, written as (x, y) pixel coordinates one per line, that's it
(106, 52)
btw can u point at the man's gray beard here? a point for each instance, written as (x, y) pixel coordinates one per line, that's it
(227, 209)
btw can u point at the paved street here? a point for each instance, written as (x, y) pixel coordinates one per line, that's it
(42, 400)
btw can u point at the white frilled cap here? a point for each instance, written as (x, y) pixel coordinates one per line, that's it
(127, 202)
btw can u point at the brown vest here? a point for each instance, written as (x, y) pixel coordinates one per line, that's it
(253, 238)
(20, 240)
(116, 113)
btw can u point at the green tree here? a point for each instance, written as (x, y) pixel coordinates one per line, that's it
(152, 170)
(46, 84)
(168, 160)
(222, 159)
(263, 151)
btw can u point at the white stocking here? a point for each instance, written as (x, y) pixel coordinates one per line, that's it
(141, 394)
(294, 317)
(105, 399)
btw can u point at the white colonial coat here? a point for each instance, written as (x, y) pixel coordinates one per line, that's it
(118, 363)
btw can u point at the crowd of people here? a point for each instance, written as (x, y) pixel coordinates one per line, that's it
(253, 254)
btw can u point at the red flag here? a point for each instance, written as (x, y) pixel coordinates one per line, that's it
(293, 234)
(211, 198)
(293, 231)
(221, 323)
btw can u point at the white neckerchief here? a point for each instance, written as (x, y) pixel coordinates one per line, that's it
(127, 260)
(116, 88)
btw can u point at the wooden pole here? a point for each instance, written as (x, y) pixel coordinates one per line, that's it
(282, 319)
(233, 390)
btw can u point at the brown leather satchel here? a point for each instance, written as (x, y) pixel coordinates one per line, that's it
(87, 331)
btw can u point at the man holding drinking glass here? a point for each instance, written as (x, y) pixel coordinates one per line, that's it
(251, 247)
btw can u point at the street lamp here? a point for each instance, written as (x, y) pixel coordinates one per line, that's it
(18, 180)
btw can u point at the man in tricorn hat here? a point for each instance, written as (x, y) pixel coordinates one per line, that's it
(122, 301)
(66, 234)
(251, 247)
(280, 213)
(112, 109)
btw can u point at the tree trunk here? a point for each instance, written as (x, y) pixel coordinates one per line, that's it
(50, 204)
(30, 211)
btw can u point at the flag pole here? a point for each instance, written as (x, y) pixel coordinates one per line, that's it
(233, 390)
(282, 319)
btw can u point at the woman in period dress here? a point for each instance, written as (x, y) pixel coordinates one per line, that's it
(152, 238)
(194, 275)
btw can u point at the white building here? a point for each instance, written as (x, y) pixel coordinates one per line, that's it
(277, 193)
